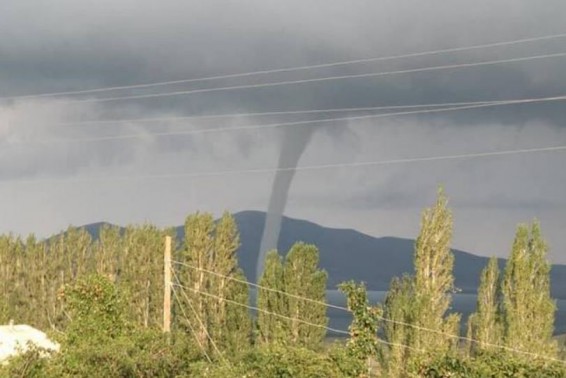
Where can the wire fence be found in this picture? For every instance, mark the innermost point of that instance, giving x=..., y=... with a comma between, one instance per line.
x=381, y=318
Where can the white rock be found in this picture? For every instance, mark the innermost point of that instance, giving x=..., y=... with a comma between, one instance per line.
x=16, y=339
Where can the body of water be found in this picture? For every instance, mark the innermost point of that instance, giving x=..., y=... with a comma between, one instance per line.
x=464, y=304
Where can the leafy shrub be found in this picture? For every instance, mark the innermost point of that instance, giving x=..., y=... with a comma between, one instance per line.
x=288, y=362
x=101, y=342
x=142, y=354
x=30, y=364
x=274, y=362
x=96, y=309
x=490, y=365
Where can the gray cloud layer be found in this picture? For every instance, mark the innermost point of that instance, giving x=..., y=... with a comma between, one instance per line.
x=65, y=45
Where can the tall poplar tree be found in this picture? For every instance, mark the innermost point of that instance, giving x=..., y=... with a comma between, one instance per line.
x=290, y=280
x=303, y=278
x=4, y=278
x=109, y=251
x=237, y=329
x=210, y=278
x=434, y=280
x=416, y=306
x=484, y=326
x=199, y=229
x=224, y=262
x=528, y=309
x=397, y=316
x=272, y=328
x=141, y=273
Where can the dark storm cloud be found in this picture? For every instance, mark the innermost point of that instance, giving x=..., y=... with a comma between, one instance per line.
x=67, y=45
x=63, y=47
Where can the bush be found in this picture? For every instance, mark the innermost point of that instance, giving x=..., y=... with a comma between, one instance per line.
x=274, y=362
x=142, y=354
x=490, y=365
x=96, y=309
x=99, y=341
x=288, y=362
x=30, y=364
x=346, y=362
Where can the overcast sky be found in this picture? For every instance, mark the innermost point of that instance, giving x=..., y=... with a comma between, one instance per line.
x=67, y=45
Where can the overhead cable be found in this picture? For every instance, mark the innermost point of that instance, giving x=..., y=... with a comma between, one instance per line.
x=359, y=164
x=293, y=69
x=289, y=124
x=313, y=80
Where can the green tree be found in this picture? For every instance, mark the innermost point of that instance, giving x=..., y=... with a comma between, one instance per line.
x=237, y=330
x=33, y=286
x=284, y=285
x=272, y=300
x=363, y=344
x=303, y=278
x=484, y=326
x=96, y=309
x=13, y=276
x=5, y=276
x=224, y=262
x=398, y=311
x=70, y=257
x=434, y=280
x=141, y=273
x=75, y=244
x=109, y=249
x=528, y=309
x=416, y=323
x=199, y=234
x=210, y=278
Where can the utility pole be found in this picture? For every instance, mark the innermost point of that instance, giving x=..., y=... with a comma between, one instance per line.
x=167, y=286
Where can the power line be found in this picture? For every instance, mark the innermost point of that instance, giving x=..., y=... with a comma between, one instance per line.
x=257, y=309
x=190, y=326
x=339, y=331
x=439, y=332
x=296, y=123
x=335, y=330
x=273, y=113
x=299, y=168
x=292, y=69
x=202, y=324
x=304, y=81
x=261, y=287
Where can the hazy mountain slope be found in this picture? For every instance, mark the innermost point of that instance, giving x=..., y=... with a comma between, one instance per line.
x=347, y=254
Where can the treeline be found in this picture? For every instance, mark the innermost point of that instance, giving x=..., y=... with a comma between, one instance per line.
x=32, y=272
x=102, y=299
x=510, y=334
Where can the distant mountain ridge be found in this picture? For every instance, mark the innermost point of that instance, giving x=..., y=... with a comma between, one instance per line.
x=351, y=255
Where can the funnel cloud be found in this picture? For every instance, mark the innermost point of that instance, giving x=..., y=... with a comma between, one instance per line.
x=292, y=147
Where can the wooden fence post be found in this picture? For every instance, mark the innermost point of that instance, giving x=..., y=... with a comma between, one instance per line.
x=167, y=286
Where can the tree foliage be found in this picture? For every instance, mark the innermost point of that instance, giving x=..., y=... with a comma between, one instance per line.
x=416, y=324
x=434, y=280
x=102, y=300
x=485, y=325
x=303, y=279
x=284, y=284
x=95, y=308
x=398, y=310
x=363, y=344
x=528, y=310
x=271, y=300
x=210, y=279
x=489, y=364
